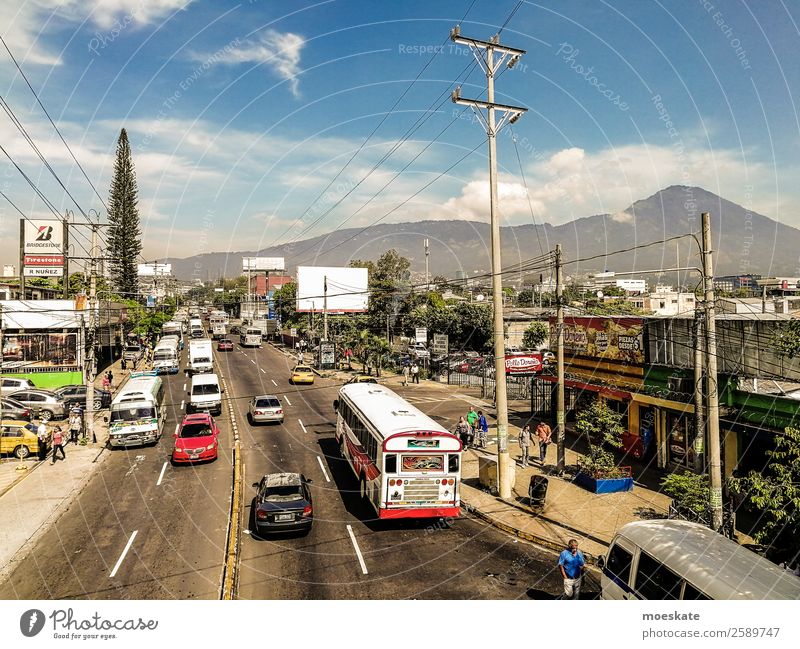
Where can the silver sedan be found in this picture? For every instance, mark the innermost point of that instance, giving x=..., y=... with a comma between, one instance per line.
x=265, y=408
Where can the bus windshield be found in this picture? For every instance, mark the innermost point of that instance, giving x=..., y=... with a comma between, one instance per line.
x=133, y=414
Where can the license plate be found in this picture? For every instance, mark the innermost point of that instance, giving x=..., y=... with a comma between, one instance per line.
x=284, y=517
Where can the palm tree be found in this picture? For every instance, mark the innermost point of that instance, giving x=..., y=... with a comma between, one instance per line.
x=378, y=349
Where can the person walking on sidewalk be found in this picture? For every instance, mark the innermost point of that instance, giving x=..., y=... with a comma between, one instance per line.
x=75, y=425
x=58, y=444
x=472, y=419
x=572, y=566
x=525, y=443
x=405, y=375
x=415, y=373
x=110, y=376
x=545, y=437
x=42, y=435
x=464, y=432
x=483, y=429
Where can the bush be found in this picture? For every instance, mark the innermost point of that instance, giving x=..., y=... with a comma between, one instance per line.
x=601, y=427
x=690, y=493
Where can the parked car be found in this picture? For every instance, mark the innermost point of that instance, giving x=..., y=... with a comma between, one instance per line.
x=419, y=350
x=18, y=438
x=10, y=385
x=196, y=439
x=132, y=353
x=75, y=395
x=14, y=410
x=265, y=408
x=283, y=503
x=469, y=354
x=44, y=405
x=302, y=374
x=548, y=357
x=363, y=378
x=225, y=345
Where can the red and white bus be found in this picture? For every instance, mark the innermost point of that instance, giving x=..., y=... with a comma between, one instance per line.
x=408, y=466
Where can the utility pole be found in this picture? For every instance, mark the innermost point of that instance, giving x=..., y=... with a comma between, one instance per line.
x=561, y=415
x=712, y=405
x=491, y=56
x=65, y=250
x=427, y=254
x=89, y=338
x=325, y=309
x=699, y=391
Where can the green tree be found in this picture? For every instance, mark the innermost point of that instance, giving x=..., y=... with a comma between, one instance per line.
x=600, y=426
x=124, y=234
x=690, y=493
x=536, y=333
x=786, y=340
x=775, y=492
x=285, y=299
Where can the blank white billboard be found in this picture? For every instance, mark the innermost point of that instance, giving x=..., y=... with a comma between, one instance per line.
x=347, y=289
x=256, y=264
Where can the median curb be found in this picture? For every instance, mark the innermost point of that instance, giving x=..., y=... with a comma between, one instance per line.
x=228, y=581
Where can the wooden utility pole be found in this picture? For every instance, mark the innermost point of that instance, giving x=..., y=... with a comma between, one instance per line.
x=561, y=415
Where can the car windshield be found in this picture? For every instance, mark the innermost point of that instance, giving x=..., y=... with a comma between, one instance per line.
x=283, y=494
x=301, y=368
x=132, y=414
x=132, y=349
x=205, y=388
x=195, y=430
x=202, y=359
x=267, y=403
x=164, y=355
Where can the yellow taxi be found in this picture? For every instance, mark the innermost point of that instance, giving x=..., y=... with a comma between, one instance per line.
x=18, y=438
x=302, y=374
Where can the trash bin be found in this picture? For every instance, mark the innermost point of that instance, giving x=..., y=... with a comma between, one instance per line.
x=537, y=490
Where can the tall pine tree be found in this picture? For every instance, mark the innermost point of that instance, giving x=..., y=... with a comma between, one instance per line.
x=125, y=237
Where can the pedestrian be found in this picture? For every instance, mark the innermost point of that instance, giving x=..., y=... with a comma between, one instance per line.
x=43, y=436
x=545, y=437
x=110, y=376
x=572, y=566
x=464, y=432
x=106, y=381
x=405, y=375
x=58, y=444
x=123, y=364
x=415, y=372
x=299, y=358
x=472, y=419
x=483, y=429
x=75, y=425
x=525, y=443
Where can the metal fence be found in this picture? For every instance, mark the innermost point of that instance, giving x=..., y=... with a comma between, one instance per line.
x=481, y=375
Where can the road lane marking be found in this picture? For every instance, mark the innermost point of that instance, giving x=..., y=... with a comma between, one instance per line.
x=182, y=403
x=321, y=466
x=275, y=384
x=301, y=426
x=161, y=477
x=125, y=551
x=178, y=425
x=184, y=387
x=358, y=550
x=285, y=398
x=252, y=361
x=263, y=371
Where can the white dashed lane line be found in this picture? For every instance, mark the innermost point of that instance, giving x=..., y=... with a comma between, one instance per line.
x=124, y=552
x=302, y=426
x=275, y=384
x=285, y=398
x=321, y=466
x=161, y=476
x=263, y=371
x=358, y=550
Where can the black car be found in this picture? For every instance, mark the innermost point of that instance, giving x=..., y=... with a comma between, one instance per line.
x=283, y=503
x=75, y=395
x=14, y=410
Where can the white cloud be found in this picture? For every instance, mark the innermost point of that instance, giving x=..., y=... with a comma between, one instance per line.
x=280, y=51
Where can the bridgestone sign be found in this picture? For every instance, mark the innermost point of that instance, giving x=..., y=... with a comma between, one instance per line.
x=43, y=237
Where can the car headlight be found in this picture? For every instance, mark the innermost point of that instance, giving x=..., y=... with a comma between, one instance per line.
x=177, y=450
x=211, y=447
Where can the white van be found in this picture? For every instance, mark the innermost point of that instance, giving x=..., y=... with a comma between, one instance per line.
x=200, y=356
x=250, y=337
x=196, y=328
x=671, y=559
x=205, y=394
x=138, y=412
x=166, y=356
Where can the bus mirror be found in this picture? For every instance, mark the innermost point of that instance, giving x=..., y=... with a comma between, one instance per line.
x=255, y=485
x=601, y=562
x=336, y=405
x=105, y=419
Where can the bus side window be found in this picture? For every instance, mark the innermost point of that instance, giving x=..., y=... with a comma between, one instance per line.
x=390, y=463
x=655, y=581
x=690, y=592
x=619, y=562
x=452, y=463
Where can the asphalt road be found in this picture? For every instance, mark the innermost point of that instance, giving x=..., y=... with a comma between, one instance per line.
x=180, y=526
x=460, y=559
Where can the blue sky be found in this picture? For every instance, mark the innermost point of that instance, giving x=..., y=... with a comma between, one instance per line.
x=240, y=114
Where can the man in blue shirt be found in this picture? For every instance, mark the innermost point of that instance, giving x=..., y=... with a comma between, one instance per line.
x=572, y=566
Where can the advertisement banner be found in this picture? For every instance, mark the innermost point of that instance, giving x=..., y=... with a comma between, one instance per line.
x=44, y=260
x=43, y=271
x=327, y=354
x=43, y=236
x=22, y=351
x=440, y=343
x=421, y=335
x=523, y=364
x=608, y=339
x=255, y=264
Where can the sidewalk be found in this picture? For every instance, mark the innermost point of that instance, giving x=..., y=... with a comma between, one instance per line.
x=32, y=499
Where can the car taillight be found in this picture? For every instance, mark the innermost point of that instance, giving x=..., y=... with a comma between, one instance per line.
x=261, y=514
x=279, y=412
x=307, y=511
x=258, y=412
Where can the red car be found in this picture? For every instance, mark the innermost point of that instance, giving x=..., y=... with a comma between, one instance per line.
x=196, y=439
x=225, y=345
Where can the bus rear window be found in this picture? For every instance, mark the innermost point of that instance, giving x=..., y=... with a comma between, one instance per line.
x=390, y=463
x=452, y=463
x=423, y=462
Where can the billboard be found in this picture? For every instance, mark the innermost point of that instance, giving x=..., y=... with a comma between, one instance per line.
x=153, y=270
x=43, y=236
x=43, y=271
x=254, y=264
x=23, y=351
x=347, y=289
x=608, y=339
